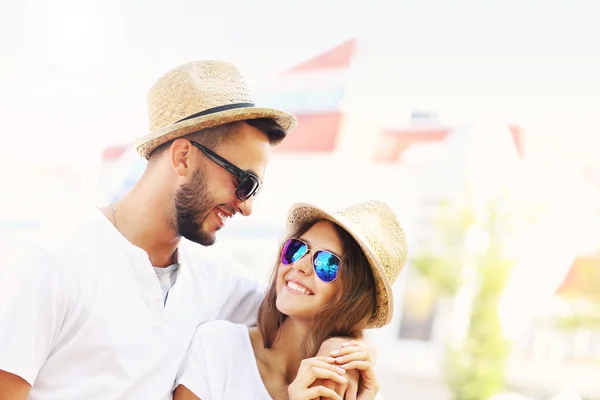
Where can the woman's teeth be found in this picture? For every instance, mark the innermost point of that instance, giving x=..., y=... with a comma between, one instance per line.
x=297, y=288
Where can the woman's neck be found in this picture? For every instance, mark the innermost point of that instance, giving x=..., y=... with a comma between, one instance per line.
x=288, y=349
x=279, y=365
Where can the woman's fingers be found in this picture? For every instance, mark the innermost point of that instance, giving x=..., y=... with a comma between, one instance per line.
x=362, y=365
x=342, y=351
x=316, y=368
x=369, y=381
x=356, y=356
x=322, y=392
x=318, y=358
x=316, y=372
x=323, y=362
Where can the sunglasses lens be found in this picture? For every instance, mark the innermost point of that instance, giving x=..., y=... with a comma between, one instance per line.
x=293, y=250
x=326, y=265
x=247, y=188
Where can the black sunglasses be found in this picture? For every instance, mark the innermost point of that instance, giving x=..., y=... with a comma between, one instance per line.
x=248, y=185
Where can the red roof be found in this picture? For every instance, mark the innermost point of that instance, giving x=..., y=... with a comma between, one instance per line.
x=583, y=279
x=393, y=143
x=113, y=152
x=315, y=133
x=518, y=137
x=338, y=57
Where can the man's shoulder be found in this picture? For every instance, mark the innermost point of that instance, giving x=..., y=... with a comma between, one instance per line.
x=56, y=250
x=64, y=235
x=30, y=262
x=32, y=252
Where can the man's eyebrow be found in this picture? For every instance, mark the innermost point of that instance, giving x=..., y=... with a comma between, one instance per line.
x=252, y=172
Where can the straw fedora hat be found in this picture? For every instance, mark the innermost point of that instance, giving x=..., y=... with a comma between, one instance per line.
x=199, y=95
x=377, y=231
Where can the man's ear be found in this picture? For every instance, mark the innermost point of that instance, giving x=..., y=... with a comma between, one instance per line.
x=179, y=156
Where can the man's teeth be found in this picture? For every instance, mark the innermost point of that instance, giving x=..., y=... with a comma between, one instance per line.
x=221, y=215
x=297, y=288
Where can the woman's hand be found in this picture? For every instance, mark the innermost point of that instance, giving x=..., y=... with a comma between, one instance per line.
x=356, y=355
x=312, y=369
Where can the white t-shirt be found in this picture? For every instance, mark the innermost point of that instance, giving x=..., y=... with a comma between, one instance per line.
x=87, y=320
x=221, y=365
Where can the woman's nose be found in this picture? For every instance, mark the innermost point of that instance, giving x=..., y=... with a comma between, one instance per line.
x=304, y=265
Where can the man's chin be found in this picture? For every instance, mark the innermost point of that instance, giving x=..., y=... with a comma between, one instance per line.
x=202, y=238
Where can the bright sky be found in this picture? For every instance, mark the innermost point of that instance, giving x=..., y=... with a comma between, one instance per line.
x=74, y=74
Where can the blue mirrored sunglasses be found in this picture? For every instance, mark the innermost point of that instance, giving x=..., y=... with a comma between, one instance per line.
x=325, y=263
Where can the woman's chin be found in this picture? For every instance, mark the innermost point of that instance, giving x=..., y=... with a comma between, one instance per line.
x=297, y=314
x=289, y=310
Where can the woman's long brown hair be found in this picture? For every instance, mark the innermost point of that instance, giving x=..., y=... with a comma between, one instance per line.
x=348, y=313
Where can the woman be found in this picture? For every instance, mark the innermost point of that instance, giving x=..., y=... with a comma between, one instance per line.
x=333, y=278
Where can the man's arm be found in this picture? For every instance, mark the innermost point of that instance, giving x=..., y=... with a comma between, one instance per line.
x=33, y=303
x=181, y=393
x=244, y=294
x=13, y=387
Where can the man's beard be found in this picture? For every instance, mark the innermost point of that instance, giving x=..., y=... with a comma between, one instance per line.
x=192, y=205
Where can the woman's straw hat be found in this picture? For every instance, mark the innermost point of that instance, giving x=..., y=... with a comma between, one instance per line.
x=377, y=231
x=199, y=95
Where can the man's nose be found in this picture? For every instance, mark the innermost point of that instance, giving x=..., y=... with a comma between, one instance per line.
x=244, y=207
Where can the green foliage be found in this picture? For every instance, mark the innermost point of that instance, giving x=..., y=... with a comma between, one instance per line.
x=578, y=321
x=475, y=371
x=442, y=272
x=442, y=262
x=584, y=314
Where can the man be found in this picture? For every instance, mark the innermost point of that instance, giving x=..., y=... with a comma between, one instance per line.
x=89, y=319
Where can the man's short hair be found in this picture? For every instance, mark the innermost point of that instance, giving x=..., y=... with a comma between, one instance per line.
x=217, y=135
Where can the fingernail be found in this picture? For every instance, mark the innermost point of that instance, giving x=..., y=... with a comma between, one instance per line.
x=341, y=371
x=330, y=359
x=335, y=353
